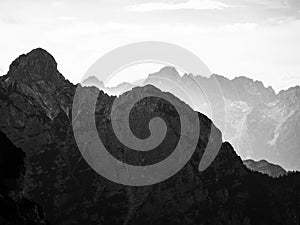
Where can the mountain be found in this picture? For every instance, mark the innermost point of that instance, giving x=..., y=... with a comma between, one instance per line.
x=265, y=167
x=258, y=122
x=36, y=115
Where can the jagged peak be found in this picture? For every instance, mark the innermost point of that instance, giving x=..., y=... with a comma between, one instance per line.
x=218, y=76
x=168, y=69
x=168, y=72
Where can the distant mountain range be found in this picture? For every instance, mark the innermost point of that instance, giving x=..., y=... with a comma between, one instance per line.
x=265, y=167
x=119, y=89
x=36, y=115
x=260, y=124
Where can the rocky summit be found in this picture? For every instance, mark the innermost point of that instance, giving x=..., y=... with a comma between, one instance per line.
x=36, y=115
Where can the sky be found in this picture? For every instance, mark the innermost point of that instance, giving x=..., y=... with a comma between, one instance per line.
x=254, y=38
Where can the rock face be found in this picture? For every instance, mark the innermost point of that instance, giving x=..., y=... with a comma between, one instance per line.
x=35, y=106
x=261, y=124
x=265, y=167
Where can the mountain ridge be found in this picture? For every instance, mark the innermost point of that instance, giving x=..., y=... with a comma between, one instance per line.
x=237, y=78
x=258, y=122
x=256, y=107
x=70, y=192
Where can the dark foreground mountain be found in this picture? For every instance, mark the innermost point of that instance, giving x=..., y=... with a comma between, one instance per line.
x=36, y=108
x=15, y=209
x=265, y=167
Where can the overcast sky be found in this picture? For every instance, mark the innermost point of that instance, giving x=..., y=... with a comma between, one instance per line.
x=254, y=38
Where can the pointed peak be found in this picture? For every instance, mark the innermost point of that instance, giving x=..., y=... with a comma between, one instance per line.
x=34, y=57
x=169, y=69
x=37, y=65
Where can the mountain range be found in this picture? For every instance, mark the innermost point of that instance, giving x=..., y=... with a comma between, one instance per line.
x=259, y=123
x=36, y=117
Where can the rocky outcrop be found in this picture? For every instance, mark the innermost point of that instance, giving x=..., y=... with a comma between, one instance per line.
x=35, y=106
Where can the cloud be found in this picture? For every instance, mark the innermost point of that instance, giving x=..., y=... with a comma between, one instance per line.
x=68, y=18
x=239, y=27
x=280, y=20
x=293, y=4
x=57, y=3
x=192, y=5
x=272, y=4
x=10, y=20
x=233, y=37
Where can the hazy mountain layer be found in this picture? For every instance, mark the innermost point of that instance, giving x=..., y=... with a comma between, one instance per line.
x=259, y=123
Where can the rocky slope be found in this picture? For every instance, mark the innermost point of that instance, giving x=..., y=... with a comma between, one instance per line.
x=35, y=106
x=265, y=167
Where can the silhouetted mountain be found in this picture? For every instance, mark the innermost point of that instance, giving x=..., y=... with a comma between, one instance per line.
x=14, y=208
x=265, y=167
x=36, y=107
